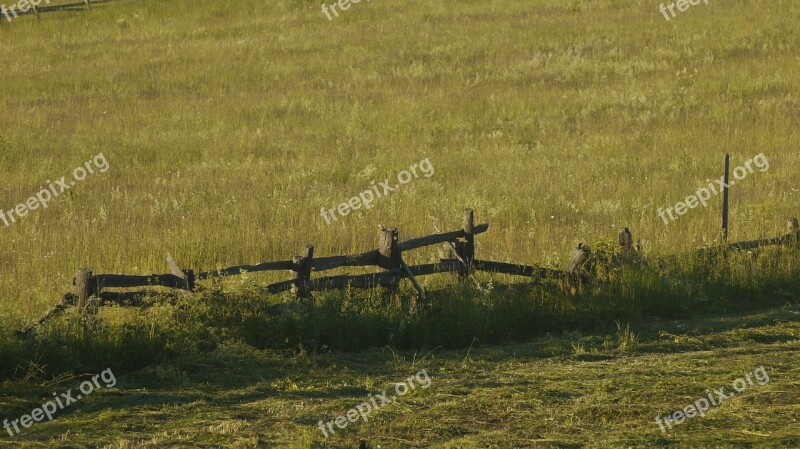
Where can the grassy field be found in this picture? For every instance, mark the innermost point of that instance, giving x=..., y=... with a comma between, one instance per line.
x=566, y=391
x=226, y=127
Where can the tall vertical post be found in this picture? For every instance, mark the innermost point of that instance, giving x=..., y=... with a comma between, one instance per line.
x=469, y=237
x=793, y=230
x=83, y=287
x=792, y=226
x=627, y=249
x=302, y=272
x=725, y=197
x=389, y=256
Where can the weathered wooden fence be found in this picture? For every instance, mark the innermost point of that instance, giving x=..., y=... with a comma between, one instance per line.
x=389, y=257
x=43, y=7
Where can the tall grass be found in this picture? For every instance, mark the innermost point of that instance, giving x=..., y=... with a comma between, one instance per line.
x=227, y=128
x=457, y=316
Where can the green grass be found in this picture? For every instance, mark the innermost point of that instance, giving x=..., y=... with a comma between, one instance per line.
x=542, y=394
x=228, y=127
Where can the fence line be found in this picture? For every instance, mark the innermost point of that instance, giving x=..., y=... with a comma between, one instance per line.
x=39, y=9
x=461, y=260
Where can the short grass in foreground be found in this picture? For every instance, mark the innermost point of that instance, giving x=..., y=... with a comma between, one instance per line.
x=564, y=391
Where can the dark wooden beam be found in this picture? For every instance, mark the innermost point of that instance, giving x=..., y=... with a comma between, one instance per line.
x=126, y=281
x=439, y=238
x=355, y=260
x=232, y=271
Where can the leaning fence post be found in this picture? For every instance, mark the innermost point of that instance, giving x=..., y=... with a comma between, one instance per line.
x=302, y=272
x=389, y=257
x=187, y=276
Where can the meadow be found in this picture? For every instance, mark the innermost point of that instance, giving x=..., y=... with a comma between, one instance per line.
x=227, y=127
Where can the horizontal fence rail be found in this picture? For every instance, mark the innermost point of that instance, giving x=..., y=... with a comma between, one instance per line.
x=43, y=8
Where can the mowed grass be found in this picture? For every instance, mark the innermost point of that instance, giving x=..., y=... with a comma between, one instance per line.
x=570, y=390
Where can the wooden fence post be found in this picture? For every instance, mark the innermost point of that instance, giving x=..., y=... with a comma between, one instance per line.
x=302, y=272
x=85, y=288
x=577, y=260
x=389, y=256
x=87, y=4
x=468, y=249
x=793, y=230
x=627, y=250
x=725, y=198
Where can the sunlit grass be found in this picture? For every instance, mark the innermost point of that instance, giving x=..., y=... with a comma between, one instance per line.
x=228, y=128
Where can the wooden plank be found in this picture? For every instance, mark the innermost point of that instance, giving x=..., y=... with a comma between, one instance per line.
x=279, y=287
x=232, y=271
x=126, y=281
x=385, y=279
x=68, y=300
x=355, y=260
x=439, y=238
x=751, y=244
x=519, y=270
x=365, y=280
x=792, y=235
x=82, y=5
x=434, y=268
x=410, y=274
